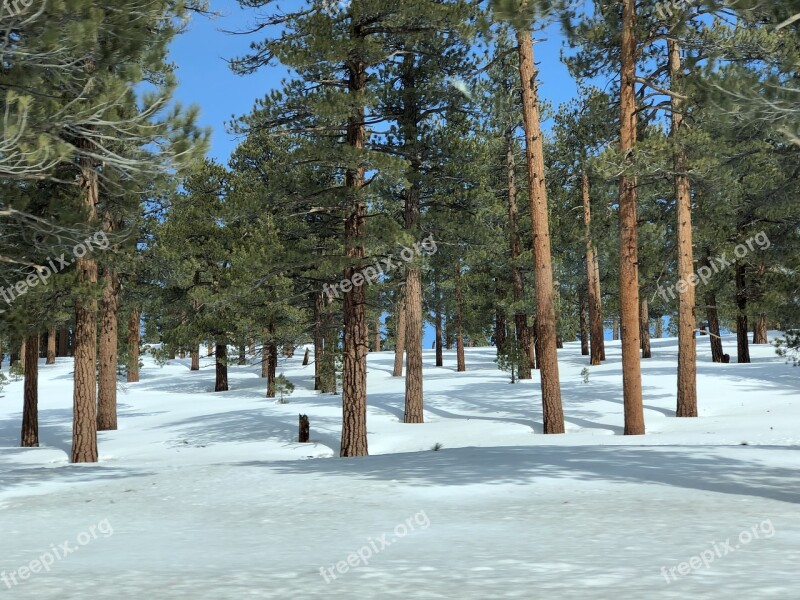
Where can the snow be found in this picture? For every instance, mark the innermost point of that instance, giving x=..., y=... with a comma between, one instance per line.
x=204, y=495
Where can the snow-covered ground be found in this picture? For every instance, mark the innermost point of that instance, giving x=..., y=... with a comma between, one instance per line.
x=208, y=496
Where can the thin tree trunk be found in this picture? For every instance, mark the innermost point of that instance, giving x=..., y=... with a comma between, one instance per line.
x=84, y=414
x=629, y=252
x=133, y=347
x=307, y=357
x=461, y=363
x=615, y=329
x=318, y=340
x=742, y=347
x=378, y=334
x=354, y=369
x=242, y=355
x=400, y=335
x=552, y=411
x=51, y=347
x=271, y=359
x=221, y=384
x=195, y=354
x=582, y=325
x=592, y=278
x=760, y=330
x=30, y=411
x=644, y=325
x=22, y=354
x=715, y=337
x=107, y=388
x=210, y=349
x=252, y=344
x=439, y=341
x=687, y=317
x=522, y=331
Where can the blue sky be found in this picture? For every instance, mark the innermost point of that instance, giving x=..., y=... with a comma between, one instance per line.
x=206, y=80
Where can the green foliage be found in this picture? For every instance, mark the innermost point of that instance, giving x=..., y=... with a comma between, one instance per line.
x=283, y=389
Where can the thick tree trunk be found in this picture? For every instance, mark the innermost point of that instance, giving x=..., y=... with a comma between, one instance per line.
x=63, y=343
x=760, y=330
x=84, y=414
x=195, y=354
x=659, y=328
x=30, y=410
x=51, y=347
x=629, y=252
x=354, y=363
x=133, y=347
x=644, y=328
x=272, y=370
x=461, y=363
x=552, y=411
x=687, y=317
x=221, y=384
x=400, y=335
x=22, y=354
x=210, y=349
x=584, y=333
x=109, y=319
x=413, y=407
x=742, y=347
x=592, y=279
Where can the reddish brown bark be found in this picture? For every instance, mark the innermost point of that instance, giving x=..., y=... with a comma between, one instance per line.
x=552, y=411
x=461, y=363
x=107, y=387
x=133, y=346
x=593, y=299
x=400, y=335
x=51, y=346
x=629, y=252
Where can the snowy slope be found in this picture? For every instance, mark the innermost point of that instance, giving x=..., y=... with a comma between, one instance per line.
x=203, y=495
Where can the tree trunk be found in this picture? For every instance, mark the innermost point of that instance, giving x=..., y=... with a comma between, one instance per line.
x=629, y=252
x=210, y=349
x=195, y=354
x=378, y=334
x=51, y=347
x=354, y=362
x=221, y=384
x=107, y=388
x=715, y=337
x=500, y=326
x=304, y=434
x=63, y=342
x=133, y=347
x=461, y=363
x=552, y=411
x=439, y=340
x=687, y=317
x=22, y=354
x=400, y=334
x=307, y=357
x=413, y=406
x=742, y=347
x=615, y=329
x=659, y=328
x=582, y=325
x=520, y=318
x=242, y=355
x=644, y=328
x=272, y=370
x=252, y=344
x=760, y=330
x=318, y=340
x=30, y=411
x=84, y=414
x=592, y=279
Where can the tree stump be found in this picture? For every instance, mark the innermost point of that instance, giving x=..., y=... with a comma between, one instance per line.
x=305, y=430
x=307, y=357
